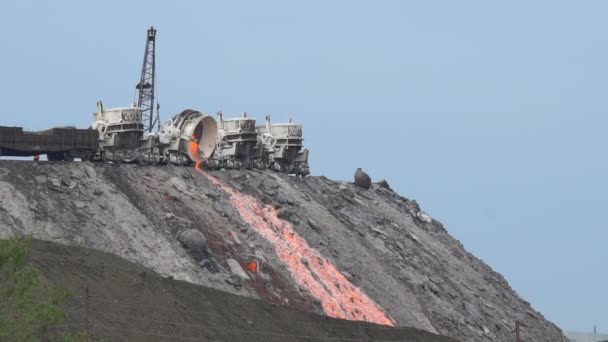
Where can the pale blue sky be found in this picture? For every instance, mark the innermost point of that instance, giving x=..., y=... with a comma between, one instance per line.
x=491, y=115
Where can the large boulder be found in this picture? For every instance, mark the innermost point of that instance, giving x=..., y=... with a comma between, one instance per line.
x=192, y=239
x=362, y=179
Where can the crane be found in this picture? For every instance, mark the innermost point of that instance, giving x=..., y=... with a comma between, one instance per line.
x=147, y=83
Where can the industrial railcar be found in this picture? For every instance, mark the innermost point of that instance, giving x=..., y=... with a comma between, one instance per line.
x=61, y=143
x=117, y=135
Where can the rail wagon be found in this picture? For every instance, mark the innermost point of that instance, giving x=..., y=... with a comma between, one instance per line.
x=61, y=143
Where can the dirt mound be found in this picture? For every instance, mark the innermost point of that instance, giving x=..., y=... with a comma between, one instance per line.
x=128, y=302
x=314, y=244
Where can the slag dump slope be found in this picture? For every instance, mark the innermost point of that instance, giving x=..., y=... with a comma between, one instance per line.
x=131, y=303
x=402, y=258
x=382, y=243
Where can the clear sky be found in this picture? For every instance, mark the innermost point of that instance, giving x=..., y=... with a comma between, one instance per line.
x=493, y=116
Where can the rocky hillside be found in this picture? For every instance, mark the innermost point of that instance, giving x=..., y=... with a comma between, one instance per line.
x=314, y=244
x=128, y=302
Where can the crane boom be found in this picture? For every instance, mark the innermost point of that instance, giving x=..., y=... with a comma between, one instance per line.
x=147, y=83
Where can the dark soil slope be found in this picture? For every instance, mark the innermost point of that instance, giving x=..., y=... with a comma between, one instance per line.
x=131, y=303
x=314, y=244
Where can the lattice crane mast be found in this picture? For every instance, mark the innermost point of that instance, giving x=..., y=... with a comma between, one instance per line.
x=147, y=83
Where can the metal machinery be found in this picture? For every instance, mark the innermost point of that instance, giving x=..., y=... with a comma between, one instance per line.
x=186, y=138
x=60, y=143
x=120, y=131
x=119, y=135
x=236, y=142
x=280, y=148
x=147, y=83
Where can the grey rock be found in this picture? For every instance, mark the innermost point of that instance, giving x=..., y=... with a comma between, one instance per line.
x=259, y=255
x=236, y=269
x=178, y=184
x=384, y=184
x=193, y=239
x=68, y=182
x=236, y=239
x=270, y=184
x=424, y=217
x=362, y=179
x=218, y=207
x=282, y=199
x=485, y=330
x=434, y=288
x=347, y=193
x=378, y=231
x=313, y=224
x=212, y=194
x=235, y=281
x=348, y=275
x=289, y=215
x=270, y=192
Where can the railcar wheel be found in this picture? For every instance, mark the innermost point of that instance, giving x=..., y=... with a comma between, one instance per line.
x=147, y=159
x=55, y=156
x=129, y=156
x=289, y=169
x=245, y=163
x=85, y=155
x=259, y=164
x=141, y=160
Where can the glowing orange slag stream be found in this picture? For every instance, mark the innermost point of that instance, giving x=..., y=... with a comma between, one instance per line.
x=339, y=297
x=194, y=149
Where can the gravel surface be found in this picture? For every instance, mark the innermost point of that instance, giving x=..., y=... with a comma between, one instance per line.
x=128, y=302
x=381, y=243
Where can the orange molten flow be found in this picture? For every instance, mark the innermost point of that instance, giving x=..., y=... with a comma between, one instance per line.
x=253, y=266
x=194, y=149
x=339, y=297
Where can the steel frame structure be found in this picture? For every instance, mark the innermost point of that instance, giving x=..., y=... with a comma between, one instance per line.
x=147, y=83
